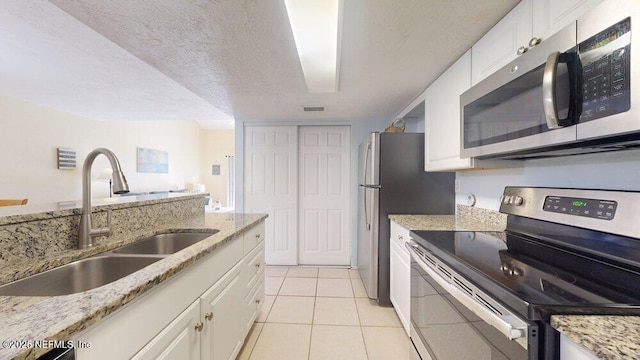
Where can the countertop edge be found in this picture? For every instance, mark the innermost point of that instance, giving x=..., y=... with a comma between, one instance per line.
x=600, y=334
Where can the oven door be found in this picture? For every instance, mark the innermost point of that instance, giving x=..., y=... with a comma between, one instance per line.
x=530, y=103
x=449, y=323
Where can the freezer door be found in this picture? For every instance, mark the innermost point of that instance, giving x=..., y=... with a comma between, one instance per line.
x=368, y=238
x=369, y=160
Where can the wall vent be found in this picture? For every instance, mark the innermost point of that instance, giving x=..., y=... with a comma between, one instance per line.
x=314, y=108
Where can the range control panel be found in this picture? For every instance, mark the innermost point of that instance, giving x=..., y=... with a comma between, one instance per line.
x=610, y=211
x=593, y=208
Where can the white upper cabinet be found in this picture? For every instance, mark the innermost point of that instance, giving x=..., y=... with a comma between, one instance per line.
x=550, y=16
x=500, y=45
x=518, y=31
x=442, y=118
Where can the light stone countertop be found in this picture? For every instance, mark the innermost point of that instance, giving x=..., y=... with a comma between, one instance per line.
x=608, y=337
x=60, y=317
x=40, y=211
x=467, y=218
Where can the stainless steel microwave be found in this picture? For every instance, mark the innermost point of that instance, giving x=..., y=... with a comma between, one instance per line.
x=572, y=93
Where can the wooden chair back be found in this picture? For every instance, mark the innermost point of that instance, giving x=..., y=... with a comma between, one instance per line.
x=9, y=202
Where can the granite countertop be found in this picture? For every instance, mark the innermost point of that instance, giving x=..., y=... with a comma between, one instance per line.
x=467, y=218
x=60, y=317
x=39, y=211
x=607, y=337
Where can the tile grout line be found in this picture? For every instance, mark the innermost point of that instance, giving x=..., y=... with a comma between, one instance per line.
x=364, y=342
x=256, y=342
x=313, y=318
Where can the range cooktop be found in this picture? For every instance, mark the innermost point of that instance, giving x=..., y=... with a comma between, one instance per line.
x=539, y=267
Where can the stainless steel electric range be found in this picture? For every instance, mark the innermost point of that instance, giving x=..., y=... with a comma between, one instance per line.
x=490, y=295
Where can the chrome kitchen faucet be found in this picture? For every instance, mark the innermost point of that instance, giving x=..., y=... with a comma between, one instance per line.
x=120, y=186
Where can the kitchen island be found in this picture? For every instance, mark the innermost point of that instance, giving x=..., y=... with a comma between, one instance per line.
x=30, y=320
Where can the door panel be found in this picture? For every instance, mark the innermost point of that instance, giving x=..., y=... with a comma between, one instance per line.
x=178, y=341
x=271, y=175
x=223, y=331
x=324, y=209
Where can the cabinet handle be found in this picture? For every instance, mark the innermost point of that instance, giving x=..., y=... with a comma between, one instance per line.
x=534, y=41
x=209, y=316
x=257, y=236
x=258, y=265
x=522, y=50
x=199, y=327
x=400, y=237
x=257, y=301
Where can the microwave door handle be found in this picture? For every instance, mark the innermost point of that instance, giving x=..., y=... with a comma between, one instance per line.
x=549, y=91
x=549, y=95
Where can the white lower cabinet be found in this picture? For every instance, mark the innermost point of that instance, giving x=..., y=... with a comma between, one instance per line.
x=211, y=328
x=400, y=276
x=569, y=350
x=177, y=341
x=204, y=312
x=223, y=320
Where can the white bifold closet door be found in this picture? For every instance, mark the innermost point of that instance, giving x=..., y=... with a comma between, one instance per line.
x=300, y=176
x=324, y=215
x=271, y=186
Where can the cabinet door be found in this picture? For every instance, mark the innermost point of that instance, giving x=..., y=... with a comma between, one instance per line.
x=569, y=350
x=178, y=341
x=442, y=118
x=500, y=45
x=400, y=280
x=550, y=16
x=222, y=312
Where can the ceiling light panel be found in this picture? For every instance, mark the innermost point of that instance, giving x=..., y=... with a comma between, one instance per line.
x=315, y=26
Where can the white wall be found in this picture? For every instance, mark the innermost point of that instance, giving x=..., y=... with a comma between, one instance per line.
x=217, y=145
x=611, y=171
x=30, y=134
x=359, y=130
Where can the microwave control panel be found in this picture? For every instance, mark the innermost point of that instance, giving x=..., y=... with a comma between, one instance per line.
x=606, y=70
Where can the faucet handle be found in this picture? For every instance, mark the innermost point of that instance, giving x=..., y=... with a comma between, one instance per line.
x=103, y=231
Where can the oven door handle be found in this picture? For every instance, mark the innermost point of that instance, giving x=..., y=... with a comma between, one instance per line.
x=501, y=323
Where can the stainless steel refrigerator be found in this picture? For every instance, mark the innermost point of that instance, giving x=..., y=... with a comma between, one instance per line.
x=393, y=181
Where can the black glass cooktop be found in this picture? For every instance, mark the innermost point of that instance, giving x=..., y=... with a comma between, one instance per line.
x=540, y=278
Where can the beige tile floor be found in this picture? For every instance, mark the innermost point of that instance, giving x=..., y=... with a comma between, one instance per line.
x=322, y=313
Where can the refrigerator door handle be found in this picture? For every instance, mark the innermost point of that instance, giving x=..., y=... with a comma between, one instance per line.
x=366, y=211
x=364, y=181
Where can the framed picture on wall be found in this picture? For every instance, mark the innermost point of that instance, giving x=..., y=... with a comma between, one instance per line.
x=153, y=161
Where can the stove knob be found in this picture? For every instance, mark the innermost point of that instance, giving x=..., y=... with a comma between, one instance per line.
x=508, y=199
x=515, y=272
x=504, y=267
x=518, y=200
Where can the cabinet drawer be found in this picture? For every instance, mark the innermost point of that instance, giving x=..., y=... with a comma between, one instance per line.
x=399, y=234
x=253, y=302
x=253, y=237
x=253, y=267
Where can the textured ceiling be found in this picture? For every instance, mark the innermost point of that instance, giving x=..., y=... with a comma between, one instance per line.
x=239, y=55
x=50, y=58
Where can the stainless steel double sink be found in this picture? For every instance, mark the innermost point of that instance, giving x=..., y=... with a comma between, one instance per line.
x=102, y=269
